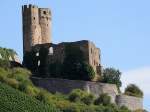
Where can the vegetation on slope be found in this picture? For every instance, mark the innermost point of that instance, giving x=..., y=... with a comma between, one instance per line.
x=12, y=100
x=76, y=101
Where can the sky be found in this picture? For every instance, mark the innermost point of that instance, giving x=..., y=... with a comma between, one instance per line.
x=120, y=28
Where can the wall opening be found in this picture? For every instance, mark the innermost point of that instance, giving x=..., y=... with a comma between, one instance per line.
x=44, y=12
x=51, y=51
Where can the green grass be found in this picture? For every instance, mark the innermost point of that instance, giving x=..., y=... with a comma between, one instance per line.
x=12, y=100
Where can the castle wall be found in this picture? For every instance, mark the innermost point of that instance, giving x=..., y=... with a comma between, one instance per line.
x=133, y=103
x=94, y=57
x=66, y=86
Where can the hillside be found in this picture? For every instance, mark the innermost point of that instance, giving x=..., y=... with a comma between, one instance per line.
x=12, y=100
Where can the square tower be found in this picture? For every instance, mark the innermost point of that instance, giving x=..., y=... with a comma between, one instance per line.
x=36, y=26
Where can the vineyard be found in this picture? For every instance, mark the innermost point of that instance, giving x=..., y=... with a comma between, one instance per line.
x=12, y=100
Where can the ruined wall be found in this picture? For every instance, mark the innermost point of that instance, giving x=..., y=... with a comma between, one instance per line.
x=94, y=57
x=36, y=26
x=133, y=103
x=66, y=86
x=90, y=51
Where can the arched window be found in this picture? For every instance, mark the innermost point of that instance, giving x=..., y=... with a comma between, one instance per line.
x=37, y=54
x=39, y=62
x=51, y=51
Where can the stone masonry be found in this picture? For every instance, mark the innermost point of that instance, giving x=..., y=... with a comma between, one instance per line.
x=133, y=103
x=90, y=52
x=36, y=26
x=96, y=88
x=66, y=86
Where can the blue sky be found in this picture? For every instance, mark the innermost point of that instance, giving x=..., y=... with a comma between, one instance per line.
x=121, y=28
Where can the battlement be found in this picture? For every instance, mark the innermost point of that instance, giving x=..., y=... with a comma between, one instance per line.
x=29, y=6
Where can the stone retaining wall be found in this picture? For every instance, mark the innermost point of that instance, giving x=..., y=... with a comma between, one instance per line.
x=133, y=103
x=66, y=86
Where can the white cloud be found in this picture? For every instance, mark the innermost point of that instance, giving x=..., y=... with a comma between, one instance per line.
x=140, y=77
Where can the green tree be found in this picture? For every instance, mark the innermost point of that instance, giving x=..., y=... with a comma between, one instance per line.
x=133, y=90
x=112, y=76
x=74, y=65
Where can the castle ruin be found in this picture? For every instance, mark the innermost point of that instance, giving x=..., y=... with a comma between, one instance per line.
x=37, y=34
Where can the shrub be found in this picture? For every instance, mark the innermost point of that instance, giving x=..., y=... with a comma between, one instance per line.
x=32, y=91
x=4, y=63
x=12, y=82
x=22, y=72
x=88, y=99
x=103, y=99
x=74, y=66
x=3, y=74
x=76, y=95
x=112, y=76
x=133, y=90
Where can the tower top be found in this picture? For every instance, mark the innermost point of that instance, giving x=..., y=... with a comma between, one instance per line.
x=36, y=26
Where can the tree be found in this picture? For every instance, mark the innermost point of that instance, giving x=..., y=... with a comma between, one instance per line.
x=75, y=66
x=133, y=90
x=112, y=76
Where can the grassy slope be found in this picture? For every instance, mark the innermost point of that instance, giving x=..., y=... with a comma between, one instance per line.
x=12, y=100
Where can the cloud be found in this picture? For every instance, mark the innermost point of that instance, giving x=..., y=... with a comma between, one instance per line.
x=140, y=77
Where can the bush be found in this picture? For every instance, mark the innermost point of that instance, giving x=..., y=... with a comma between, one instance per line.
x=133, y=90
x=88, y=99
x=112, y=76
x=103, y=99
x=12, y=82
x=3, y=74
x=74, y=66
x=78, y=95
x=21, y=71
x=32, y=91
x=4, y=63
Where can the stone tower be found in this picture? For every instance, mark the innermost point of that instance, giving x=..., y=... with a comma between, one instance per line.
x=36, y=26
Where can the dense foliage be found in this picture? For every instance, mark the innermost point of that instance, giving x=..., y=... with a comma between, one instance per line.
x=112, y=76
x=11, y=100
x=74, y=66
x=133, y=90
x=6, y=54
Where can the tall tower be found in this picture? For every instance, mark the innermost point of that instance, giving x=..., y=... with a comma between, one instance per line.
x=36, y=26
